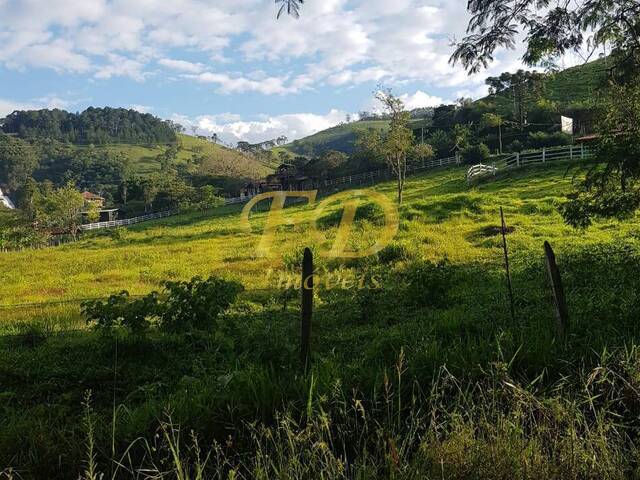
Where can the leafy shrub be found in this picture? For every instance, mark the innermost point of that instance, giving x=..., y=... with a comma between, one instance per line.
x=117, y=233
x=184, y=306
x=515, y=146
x=118, y=311
x=543, y=139
x=474, y=154
x=194, y=304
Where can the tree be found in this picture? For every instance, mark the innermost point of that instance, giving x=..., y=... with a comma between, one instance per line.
x=150, y=190
x=292, y=7
x=562, y=28
x=208, y=197
x=492, y=120
x=60, y=208
x=93, y=212
x=397, y=143
x=423, y=151
x=612, y=187
x=18, y=161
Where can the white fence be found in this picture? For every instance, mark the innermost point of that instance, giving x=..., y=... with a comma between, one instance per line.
x=546, y=155
x=366, y=177
x=127, y=221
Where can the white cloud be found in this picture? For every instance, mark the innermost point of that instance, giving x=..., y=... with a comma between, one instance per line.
x=49, y=101
x=120, y=66
x=9, y=106
x=231, y=129
x=334, y=43
x=141, y=108
x=228, y=84
x=181, y=65
x=420, y=100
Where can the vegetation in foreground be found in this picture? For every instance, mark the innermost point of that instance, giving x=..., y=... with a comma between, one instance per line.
x=428, y=376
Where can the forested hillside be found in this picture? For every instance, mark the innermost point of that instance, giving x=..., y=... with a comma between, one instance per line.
x=94, y=125
x=529, y=104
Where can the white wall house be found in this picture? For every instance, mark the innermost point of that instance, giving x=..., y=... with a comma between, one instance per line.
x=6, y=201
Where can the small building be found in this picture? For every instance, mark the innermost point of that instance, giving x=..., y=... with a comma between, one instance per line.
x=91, y=198
x=105, y=214
x=286, y=177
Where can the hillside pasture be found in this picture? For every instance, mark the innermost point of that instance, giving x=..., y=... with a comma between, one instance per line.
x=425, y=375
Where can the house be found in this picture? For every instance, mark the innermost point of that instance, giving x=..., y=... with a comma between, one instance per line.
x=105, y=214
x=92, y=198
x=286, y=177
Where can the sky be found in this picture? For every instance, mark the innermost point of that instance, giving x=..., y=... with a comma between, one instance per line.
x=228, y=66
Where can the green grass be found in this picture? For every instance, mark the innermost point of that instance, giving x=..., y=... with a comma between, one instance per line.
x=428, y=377
x=441, y=217
x=230, y=167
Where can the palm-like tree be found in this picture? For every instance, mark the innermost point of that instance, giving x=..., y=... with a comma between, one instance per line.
x=292, y=7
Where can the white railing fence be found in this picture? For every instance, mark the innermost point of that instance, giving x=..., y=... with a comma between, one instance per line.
x=517, y=160
x=127, y=221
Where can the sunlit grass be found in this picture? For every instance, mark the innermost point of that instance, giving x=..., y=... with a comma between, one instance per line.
x=441, y=218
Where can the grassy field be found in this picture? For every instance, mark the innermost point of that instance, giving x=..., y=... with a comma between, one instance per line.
x=426, y=377
x=441, y=218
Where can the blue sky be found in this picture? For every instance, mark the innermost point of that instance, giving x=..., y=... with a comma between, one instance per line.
x=227, y=66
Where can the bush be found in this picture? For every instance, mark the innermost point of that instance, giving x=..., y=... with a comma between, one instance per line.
x=118, y=311
x=543, y=139
x=515, y=146
x=185, y=306
x=474, y=154
x=195, y=304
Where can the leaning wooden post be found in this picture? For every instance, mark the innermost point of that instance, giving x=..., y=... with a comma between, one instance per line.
x=506, y=265
x=307, y=307
x=562, y=312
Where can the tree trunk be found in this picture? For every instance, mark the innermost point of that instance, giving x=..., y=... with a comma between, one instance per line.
x=500, y=137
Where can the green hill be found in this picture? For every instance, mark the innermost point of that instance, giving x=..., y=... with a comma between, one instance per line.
x=574, y=85
x=341, y=138
x=231, y=166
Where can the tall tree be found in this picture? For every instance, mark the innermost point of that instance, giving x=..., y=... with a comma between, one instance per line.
x=492, y=120
x=397, y=143
x=18, y=161
x=612, y=187
x=550, y=29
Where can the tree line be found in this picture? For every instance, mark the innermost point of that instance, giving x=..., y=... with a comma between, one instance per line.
x=92, y=126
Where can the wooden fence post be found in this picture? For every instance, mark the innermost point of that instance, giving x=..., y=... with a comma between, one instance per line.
x=307, y=307
x=562, y=312
x=518, y=159
x=544, y=154
x=582, y=151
